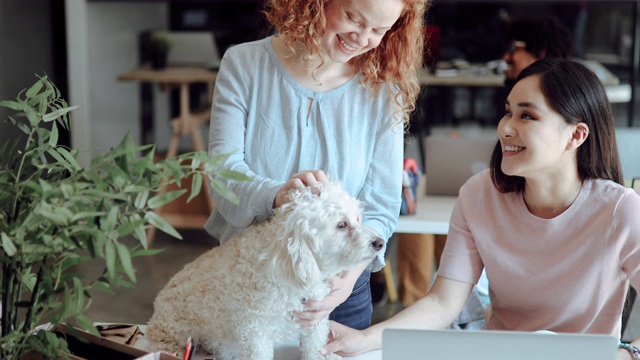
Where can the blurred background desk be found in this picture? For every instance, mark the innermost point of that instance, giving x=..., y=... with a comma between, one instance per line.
x=480, y=75
x=187, y=122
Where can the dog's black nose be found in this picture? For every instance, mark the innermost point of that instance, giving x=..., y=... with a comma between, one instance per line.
x=377, y=243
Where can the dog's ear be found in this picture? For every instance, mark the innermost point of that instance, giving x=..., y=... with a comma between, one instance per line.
x=293, y=258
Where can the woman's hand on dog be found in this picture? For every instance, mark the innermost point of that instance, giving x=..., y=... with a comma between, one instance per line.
x=345, y=341
x=308, y=180
x=341, y=287
x=320, y=309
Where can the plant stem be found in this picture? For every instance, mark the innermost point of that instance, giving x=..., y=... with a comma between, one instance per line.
x=6, y=285
x=15, y=290
x=9, y=299
x=20, y=168
x=34, y=298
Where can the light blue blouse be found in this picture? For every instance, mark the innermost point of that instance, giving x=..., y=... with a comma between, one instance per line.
x=260, y=114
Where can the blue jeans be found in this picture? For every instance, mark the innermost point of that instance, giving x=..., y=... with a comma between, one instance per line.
x=356, y=311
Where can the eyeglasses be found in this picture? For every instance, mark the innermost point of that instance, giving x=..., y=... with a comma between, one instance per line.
x=514, y=47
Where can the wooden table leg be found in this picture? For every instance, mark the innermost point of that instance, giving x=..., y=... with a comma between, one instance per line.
x=415, y=263
x=186, y=124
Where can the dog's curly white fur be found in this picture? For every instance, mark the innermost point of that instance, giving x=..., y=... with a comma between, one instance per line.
x=237, y=300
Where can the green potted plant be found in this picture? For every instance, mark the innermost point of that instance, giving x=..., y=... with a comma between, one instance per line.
x=159, y=49
x=55, y=214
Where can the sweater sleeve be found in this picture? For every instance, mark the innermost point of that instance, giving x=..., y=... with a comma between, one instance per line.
x=382, y=190
x=229, y=112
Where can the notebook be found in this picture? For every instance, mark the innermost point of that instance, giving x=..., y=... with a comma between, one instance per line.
x=450, y=162
x=197, y=48
x=495, y=345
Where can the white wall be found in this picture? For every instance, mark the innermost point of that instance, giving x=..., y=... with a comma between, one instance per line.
x=102, y=42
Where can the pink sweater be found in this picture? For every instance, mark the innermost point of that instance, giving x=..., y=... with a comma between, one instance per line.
x=566, y=274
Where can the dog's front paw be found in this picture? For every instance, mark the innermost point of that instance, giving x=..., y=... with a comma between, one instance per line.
x=333, y=357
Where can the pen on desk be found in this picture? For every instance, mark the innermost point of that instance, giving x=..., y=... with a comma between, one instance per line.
x=188, y=350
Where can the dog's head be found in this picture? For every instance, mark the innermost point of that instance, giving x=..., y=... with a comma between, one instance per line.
x=322, y=235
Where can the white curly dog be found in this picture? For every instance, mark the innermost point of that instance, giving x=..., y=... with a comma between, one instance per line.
x=237, y=300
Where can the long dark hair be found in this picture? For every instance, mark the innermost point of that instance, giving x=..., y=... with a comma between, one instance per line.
x=576, y=93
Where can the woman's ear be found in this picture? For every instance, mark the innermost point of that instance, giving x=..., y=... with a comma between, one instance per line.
x=579, y=135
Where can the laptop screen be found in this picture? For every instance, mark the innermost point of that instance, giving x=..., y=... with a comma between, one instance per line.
x=450, y=162
x=495, y=345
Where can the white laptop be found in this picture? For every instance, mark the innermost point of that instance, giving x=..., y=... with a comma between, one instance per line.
x=495, y=345
x=450, y=162
x=193, y=48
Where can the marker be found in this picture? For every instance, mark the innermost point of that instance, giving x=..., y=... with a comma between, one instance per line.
x=188, y=350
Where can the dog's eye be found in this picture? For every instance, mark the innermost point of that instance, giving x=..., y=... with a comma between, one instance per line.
x=342, y=225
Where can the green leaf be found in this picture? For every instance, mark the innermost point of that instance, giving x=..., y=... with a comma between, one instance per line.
x=87, y=214
x=125, y=260
x=109, y=224
x=162, y=224
x=195, y=164
x=8, y=245
x=141, y=199
x=43, y=100
x=11, y=105
x=70, y=157
x=165, y=198
x=31, y=114
x=56, y=114
x=141, y=234
x=29, y=280
x=23, y=127
x=53, y=152
x=196, y=186
x=78, y=291
x=146, y=252
x=103, y=286
x=86, y=324
x=221, y=188
x=110, y=258
x=233, y=175
x=33, y=90
x=53, y=137
x=129, y=227
x=48, y=212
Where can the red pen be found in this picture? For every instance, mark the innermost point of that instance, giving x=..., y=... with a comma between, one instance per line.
x=188, y=350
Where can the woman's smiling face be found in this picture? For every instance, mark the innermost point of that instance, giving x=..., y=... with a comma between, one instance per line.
x=356, y=26
x=533, y=136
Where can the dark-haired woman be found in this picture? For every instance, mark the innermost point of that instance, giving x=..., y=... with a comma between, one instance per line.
x=552, y=223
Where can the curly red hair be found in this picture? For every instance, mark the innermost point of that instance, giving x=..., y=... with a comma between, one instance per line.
x=394, y=62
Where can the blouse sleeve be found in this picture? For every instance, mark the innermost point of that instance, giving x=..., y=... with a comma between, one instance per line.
x=229, y=115
x=381, y=193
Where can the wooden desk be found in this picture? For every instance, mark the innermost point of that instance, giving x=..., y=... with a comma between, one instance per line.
x=185, y=124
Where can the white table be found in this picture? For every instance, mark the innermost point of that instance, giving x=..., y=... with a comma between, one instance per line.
x=291, y=352
x=431, y=218
x=288, y=351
